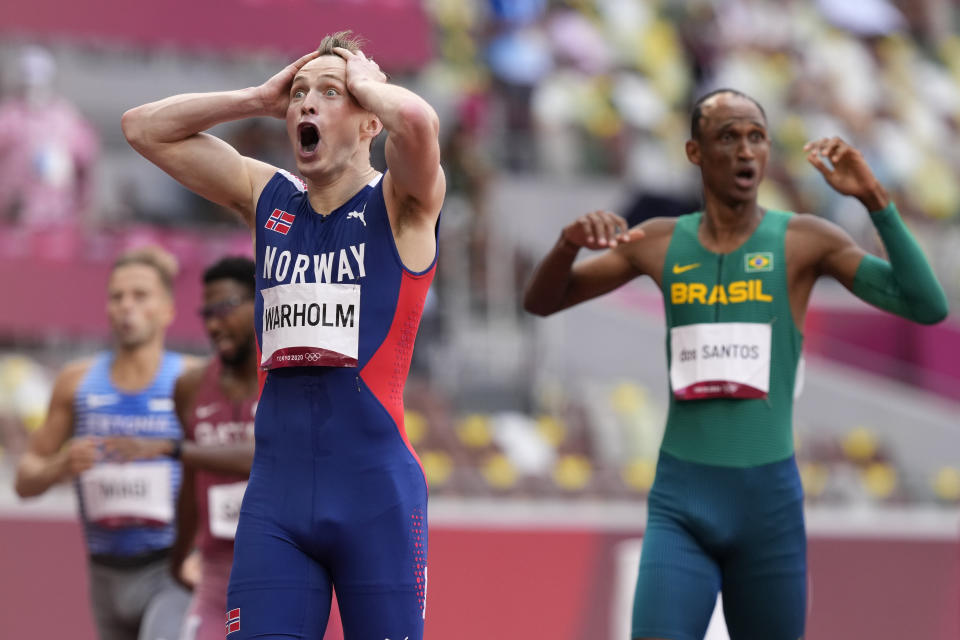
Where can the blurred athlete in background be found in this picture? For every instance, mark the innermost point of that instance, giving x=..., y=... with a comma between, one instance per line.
x=127, y=508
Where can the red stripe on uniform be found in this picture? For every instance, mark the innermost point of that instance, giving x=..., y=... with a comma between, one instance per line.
x=386, y=372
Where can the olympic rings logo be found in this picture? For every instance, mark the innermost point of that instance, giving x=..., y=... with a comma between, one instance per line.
x=312, y=357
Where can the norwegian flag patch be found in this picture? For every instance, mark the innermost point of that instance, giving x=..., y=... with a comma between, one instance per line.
x=233, y=620
x=280, y=221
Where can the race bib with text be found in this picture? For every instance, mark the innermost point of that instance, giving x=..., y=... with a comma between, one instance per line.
x=311, y=325
x=128, y=494
x=223, y=503
x=720, y=360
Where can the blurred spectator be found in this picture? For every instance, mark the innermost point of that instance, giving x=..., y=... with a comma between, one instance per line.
x=48, y=151
x=25, y=388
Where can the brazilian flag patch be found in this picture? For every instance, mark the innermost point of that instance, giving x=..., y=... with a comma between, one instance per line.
x=762, y=261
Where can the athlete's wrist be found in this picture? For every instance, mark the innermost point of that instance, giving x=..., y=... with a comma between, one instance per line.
x=876, y=199
x=565, y=244
x=175, y=448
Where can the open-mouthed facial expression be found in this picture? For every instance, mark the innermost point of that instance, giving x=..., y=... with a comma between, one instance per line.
x=732, y=148
x=324, y=122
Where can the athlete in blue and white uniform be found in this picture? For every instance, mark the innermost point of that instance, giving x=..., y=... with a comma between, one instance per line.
x=97, y=406
x=336, y=496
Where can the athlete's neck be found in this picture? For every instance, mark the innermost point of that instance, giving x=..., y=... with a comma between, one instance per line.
x=326, y=193
x=134, y=368
x=726, y=226
x=238, y=380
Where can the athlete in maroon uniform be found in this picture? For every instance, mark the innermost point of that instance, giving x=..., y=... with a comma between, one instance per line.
x=216, y=405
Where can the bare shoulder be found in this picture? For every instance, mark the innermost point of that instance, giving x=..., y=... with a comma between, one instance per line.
x=192, y=374
x=811, y=226
x=656, y=232
x=658, y=226
x=72, y=373
x=194, y=362
x=188, y=383
x=647, y=254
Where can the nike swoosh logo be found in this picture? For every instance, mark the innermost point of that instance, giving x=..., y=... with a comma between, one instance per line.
x=206, y=411
x=678, y=269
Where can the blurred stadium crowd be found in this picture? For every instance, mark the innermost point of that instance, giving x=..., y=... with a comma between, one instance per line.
x=532, y=90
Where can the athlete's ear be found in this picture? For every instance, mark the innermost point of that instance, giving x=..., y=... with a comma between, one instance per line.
x=371, y=127
x=693, y=152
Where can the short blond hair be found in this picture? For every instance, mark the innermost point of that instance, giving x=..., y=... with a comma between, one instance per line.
x=155, y=257
x=341, y=39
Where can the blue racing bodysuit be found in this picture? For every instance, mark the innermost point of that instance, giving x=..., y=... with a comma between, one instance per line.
x=336, y=496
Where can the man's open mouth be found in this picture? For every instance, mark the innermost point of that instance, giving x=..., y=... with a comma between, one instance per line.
x=745, y=177
x=309, y=136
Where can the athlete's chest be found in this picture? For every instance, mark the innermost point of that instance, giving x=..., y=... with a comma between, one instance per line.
x=701, y=286
x=298, y=245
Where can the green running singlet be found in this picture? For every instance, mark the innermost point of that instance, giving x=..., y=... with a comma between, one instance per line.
x=747, y=285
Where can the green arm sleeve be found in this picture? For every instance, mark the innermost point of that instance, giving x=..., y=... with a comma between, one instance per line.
x=906, y=285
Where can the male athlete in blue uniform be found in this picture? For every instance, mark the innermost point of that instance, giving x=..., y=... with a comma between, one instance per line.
x=344, y=258
x=127, y=508
x=726, y=507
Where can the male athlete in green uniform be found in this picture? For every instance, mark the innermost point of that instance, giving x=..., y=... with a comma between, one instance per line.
x=725, y=510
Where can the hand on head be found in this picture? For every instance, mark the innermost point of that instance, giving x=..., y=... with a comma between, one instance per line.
x=600, y=230
x=275, y=93
x=360, y=68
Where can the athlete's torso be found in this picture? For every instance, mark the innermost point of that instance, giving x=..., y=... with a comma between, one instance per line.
x=350, y=286
x=128, y=509
x=216, y=421
x=746, y=291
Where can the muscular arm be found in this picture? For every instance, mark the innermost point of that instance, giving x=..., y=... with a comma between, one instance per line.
x=558, y=283
x=230, y=458
x=169, y=134
x=414, y=186
x=47, y=461
x=186, y=524
x=906, y=285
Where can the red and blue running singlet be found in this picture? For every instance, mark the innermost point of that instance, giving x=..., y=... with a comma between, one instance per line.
x=336, y=495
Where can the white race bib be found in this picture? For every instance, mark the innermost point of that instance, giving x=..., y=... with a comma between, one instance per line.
x=223, y=503
x=311, y=325
x=720, y=360
x=118, y=495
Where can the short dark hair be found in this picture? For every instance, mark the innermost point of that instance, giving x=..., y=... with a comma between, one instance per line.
x=155, y=257
x=697, y=113
x=240, y=269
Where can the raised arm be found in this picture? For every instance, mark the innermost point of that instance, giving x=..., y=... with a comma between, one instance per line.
x=414, y=185
x=904, y=285
x=169, y=133
x=559, y=283
x=47, y=461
